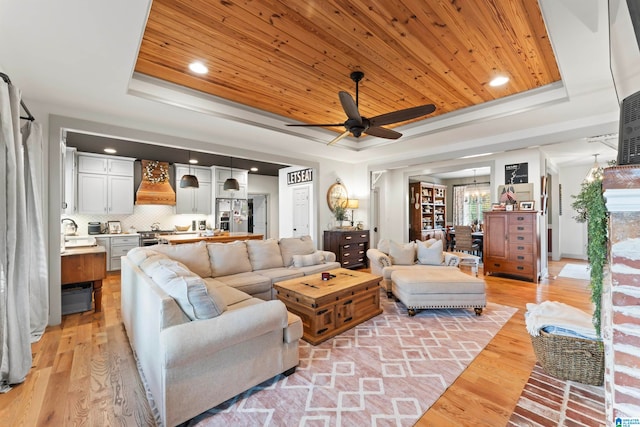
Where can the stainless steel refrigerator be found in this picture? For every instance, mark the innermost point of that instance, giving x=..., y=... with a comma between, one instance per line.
x=232, y=215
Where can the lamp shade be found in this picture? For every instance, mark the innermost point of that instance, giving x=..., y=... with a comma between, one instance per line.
x=189, y=181
x=353, y=203
x=231, y=184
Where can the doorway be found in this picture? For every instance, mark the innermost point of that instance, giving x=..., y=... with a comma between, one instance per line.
x=301, y=218
x=258, y=214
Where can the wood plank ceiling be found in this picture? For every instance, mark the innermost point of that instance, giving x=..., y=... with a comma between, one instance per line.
x=291, y=57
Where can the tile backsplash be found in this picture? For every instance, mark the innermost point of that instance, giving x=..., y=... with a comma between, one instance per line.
x=142, y=218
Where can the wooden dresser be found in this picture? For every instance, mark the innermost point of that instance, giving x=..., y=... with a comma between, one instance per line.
x=512, y=244
x=350, y=247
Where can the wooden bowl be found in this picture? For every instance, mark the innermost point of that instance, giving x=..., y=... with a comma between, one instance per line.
x=183, y=227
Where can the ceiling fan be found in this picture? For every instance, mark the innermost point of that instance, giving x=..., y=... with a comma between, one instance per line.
x=357, y=124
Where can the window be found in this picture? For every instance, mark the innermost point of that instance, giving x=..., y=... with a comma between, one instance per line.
x=470, y=201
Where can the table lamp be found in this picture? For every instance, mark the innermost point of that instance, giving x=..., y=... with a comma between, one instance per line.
x=353, y=205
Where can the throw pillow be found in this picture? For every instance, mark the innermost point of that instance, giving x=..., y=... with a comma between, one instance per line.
x=264, y=254
x=165, y=272
x=190, y=293
x=228, y=258
x=290, y=246
x=193, y=255
x=402, y=254
x=308, y=260
x=430, y=253
x=140, y=254
x=383, y=246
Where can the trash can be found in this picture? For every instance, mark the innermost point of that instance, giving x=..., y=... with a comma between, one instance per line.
x=76, y=297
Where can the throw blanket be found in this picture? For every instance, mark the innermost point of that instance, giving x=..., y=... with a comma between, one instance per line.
x=559, y=318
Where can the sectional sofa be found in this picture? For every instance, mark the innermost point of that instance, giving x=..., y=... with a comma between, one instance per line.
x=201, y=320
x=390, y=256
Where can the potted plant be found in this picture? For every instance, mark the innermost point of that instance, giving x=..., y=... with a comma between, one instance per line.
x=591, y=208
x=340, y=214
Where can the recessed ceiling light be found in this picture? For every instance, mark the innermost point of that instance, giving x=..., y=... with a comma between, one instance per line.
x=110, y=150
x=193, y=161
x=498, y=81
x=254, y=169
x=198, y=67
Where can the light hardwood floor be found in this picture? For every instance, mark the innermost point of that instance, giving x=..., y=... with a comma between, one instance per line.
x=84, y=373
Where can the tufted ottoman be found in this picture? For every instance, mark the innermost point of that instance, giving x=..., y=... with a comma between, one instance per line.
x=439, y=287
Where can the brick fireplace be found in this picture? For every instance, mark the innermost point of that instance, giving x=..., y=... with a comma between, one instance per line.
x=621, y=294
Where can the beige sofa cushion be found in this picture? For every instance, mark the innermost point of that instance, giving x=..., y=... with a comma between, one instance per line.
x=249, y=282
x=430, y=252
x=264, y=254
x=193, y=255
x=290, y=246
x=230, y=296
x=228, y=258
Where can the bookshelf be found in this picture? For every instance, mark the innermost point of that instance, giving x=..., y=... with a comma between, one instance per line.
x=427, y=208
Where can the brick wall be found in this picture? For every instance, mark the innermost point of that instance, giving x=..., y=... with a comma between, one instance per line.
x=621, y=297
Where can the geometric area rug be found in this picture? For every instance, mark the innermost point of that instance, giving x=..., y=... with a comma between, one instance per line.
x=549, y=401
x=386, y=371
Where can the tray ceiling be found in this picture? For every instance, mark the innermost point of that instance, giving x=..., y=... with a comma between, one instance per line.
x=290, y=58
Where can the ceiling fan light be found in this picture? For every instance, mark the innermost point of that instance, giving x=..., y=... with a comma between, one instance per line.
x=189, y=181
x=231, y=184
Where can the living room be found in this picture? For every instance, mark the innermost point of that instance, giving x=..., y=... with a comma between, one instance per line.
x=108, y=103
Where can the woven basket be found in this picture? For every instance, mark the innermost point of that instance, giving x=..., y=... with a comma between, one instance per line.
x=569, y=358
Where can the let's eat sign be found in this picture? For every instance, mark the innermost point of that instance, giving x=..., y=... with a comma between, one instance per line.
x=300, y=176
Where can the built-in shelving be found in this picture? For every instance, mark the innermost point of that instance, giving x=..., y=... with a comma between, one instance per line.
x=427, y=208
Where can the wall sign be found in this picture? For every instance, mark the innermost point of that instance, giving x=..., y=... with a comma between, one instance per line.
x=297, y=177
x=516, y=174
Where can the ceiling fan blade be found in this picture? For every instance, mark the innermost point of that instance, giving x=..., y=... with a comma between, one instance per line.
x=323, y=124
x=339, y=137
x=382, y=132
x=349, y=106
x=402, y=115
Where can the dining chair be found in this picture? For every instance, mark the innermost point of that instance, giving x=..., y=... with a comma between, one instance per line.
x=464, y=240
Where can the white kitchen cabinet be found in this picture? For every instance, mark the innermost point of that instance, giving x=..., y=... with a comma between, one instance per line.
x=96, y=163
x=117, y=246
x=120, y=245
x=242, y=176
x=105, y=184
x=194, y=200
x=69, y=205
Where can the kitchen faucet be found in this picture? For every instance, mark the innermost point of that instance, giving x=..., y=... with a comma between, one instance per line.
x=155, y=226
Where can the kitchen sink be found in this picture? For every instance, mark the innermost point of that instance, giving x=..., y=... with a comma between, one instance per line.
x=79, y=241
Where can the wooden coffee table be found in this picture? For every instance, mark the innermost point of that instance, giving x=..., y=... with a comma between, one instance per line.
x=329, y=307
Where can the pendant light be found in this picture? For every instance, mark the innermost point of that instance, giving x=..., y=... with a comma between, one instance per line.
x=189, y=181
x=231, y=184
x=596, y=171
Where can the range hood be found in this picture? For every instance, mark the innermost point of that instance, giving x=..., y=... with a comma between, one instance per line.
x=155, y=187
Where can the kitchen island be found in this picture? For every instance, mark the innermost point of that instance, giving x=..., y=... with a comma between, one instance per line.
x=225, y=237
x=85, y=264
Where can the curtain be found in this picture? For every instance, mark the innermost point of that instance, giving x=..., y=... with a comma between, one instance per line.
x=458, y=204
x=38, y=265
x=18, y=248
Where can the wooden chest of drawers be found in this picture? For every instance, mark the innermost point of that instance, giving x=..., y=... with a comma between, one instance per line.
x=511, y=244
x=350, y=247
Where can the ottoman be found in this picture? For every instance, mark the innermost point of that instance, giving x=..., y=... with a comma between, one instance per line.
x=439, y=287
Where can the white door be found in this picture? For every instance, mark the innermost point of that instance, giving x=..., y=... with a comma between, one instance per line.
x=259, y=214
x=301, y=212
x=375, y=217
